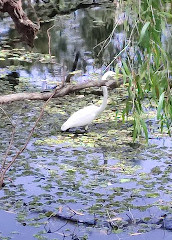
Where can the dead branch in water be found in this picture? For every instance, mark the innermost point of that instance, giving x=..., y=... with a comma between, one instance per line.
x=59, y=93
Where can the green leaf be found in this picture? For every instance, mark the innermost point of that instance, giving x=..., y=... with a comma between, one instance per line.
x=165, y=14
x=143, y=74
x=124, y=75
x=152, y=195
x=123, y=115
x=124, y=180
x=135, y=132
x=126, y=68
x=145, y=129
x=160, y=105
x=143, y=31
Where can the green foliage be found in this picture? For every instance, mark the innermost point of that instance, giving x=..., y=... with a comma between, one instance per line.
x=144, y=31
x=160, y=105
x=148, y=76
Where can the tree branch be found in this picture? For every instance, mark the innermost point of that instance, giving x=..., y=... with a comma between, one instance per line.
x=6, y=168
x=26, y=28
x=60, y=92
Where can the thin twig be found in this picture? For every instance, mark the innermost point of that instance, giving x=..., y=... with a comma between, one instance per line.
x=153, y=15
x=11, y=140
x=7, y=116
x=8, y=149
x=49, y=39
x=3, y=172
x=108, y=40
x=75, y=212
x=132, y=217
x=110, y=220
x=129, y=41
x=56, y=231
x=102, y=42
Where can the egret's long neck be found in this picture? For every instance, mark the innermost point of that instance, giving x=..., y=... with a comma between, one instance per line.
x=105, y=97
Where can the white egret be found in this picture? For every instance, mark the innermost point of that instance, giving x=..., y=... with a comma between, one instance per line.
x=86, y=115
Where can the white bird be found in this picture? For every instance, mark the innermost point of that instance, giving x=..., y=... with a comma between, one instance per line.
x=86, y=115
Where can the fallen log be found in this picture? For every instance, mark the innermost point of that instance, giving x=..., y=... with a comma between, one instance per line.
x=59, y=93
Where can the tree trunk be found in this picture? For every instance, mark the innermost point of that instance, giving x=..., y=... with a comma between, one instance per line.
x=24, y=26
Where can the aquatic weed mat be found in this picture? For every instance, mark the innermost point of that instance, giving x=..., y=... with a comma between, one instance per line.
x=82, y=182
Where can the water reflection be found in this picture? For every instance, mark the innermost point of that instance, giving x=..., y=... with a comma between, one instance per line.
x=81, y=31
x=78, y=32
x=162, y=142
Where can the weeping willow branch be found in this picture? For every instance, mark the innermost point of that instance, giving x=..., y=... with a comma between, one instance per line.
x=106, y=42
x=128, y=44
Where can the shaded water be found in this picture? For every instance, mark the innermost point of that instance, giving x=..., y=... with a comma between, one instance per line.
x=79, y=32
x=100, y=174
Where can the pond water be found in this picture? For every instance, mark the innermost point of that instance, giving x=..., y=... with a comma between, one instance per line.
x=64, y=182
